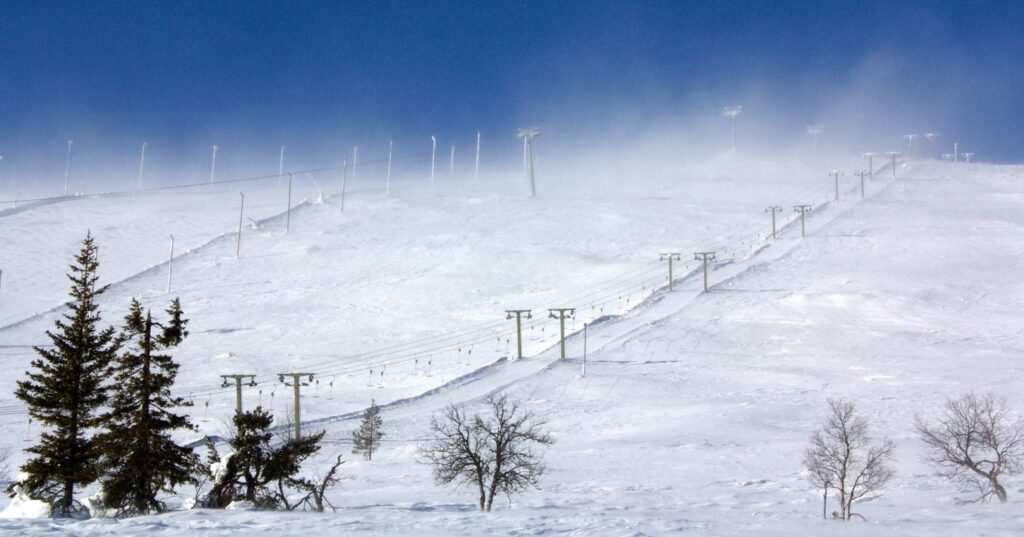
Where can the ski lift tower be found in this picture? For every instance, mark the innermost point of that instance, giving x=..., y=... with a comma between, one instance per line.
x=527, y=135
x=731, y=112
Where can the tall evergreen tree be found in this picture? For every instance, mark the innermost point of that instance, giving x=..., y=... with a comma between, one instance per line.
x=366, y=438
x=65, y=389
x=140, y=458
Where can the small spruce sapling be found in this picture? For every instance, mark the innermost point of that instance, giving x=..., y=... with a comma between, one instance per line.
x=366, y=439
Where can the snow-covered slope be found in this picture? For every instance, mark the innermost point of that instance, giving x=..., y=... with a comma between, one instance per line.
x=696, y=406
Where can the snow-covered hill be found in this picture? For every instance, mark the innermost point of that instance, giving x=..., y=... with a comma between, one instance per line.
x=696, y=406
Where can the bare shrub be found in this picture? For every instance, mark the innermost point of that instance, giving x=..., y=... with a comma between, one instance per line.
x=975, y=443
x=841, y=458
x=496, y=453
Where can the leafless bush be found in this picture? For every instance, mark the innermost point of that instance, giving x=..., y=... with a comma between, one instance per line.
x=315, y=498
x=840, y=458
x=975, y=443
x=494, y=453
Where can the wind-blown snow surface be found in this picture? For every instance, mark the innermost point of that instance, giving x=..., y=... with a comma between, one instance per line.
x=695, y=408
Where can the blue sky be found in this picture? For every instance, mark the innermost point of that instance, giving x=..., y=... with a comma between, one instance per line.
x=184, y=75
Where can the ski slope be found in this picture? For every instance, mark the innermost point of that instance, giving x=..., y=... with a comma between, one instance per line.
x=696, y=406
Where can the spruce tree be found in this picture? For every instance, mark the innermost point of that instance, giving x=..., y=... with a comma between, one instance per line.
x=366, y=438
x=65, y=389
x=257, y=466
x=140, y=458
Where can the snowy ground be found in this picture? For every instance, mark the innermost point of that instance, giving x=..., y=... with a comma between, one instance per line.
x=695, y=408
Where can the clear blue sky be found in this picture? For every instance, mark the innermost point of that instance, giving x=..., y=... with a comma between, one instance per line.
x=187, y=74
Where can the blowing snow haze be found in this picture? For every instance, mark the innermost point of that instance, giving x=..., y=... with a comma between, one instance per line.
x=675, y=251
x=320, y=78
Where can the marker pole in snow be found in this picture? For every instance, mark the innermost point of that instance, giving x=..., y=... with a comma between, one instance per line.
x=288, y=211
x=773, y=209
x=170, y=265
x=861, y=174
x=519, y=328
x=968, y=157
x=803, y=210
x=280, y=167
x=560, y=313
x=213, y=164
x=451, y=163
x=476, y=168
x=836, y=174
x=241, y=211
x=296, y=383
x=344, y=181
x=387, y=182
x=705, y=257
x=355, y=159
x=433, y=159
x=584, y=349
x=67, y=167
x=670, y=257
x=238, y=387
x=142, y=163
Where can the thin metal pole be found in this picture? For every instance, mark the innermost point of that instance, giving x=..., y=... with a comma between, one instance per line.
x=836, y=174
x=451, y=163
x=519, y=328
x=170, y=265
x=433, y=157
x=387, y=183
x=280, y=167
x=584, y=349
x=344, y=181
x=288, y=211
x=355, y=159
x=670, y=257
x=559, y=313
x=213, y=163
x=298, y=429
x=561, y=323
x=802, y=209
x=142, y=163
x=476, y=168
x=705, y=256
x=241, y=211
x=519, y=337
x=525, y=165
x=862, y=174
x=67, y=167
x=533, y=186
x=773, y=209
